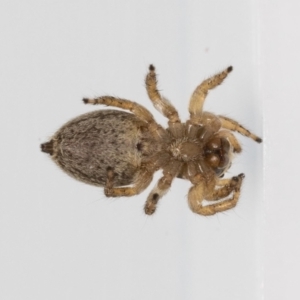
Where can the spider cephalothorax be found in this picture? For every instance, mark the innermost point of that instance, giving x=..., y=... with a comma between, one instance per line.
x=121, y=151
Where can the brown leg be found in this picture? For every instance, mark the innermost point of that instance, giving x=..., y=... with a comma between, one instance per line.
x=200, y=93
x=197, y=194
x=139, y=110
x=232, y=140
x=227, y=186
x=235, y=126
x=144, y=178
x=160, y=103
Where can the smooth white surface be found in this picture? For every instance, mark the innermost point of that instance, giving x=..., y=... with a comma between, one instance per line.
x=280, y=89
x=61, y=239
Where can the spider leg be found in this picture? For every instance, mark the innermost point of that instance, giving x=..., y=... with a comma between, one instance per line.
x=232, y=140
x=200, y=93
x=158, y=192
x=139, y=110
x=198, y=193
x=170, y=171
x=195, y=198
x=227, y=186
x=235, y=126
x=143, y=179
x=160, y=103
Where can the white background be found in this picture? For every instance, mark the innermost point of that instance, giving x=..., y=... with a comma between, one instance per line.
x=61, y=239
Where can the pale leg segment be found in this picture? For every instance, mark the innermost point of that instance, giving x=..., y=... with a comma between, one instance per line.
x=157, y=193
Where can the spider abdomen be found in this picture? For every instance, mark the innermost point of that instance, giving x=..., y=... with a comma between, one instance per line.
x=88, y=145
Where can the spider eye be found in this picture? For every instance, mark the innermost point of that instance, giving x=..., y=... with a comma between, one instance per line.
x=214, y=144
x=217, y=154
x=213, y=160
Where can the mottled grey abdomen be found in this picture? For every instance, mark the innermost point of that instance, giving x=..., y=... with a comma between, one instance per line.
x=88, y=145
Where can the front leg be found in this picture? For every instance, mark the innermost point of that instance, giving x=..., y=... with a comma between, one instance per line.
x=233, y=125
x=199, y=192
x=226, y=187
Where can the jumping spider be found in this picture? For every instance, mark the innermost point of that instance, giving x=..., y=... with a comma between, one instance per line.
x=120, y=151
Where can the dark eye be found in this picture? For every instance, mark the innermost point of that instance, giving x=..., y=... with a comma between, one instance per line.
x=217, y=154
x=213, y=160
x=214, y=144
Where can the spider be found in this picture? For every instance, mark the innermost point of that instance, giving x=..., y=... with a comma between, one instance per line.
x=121, y=150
